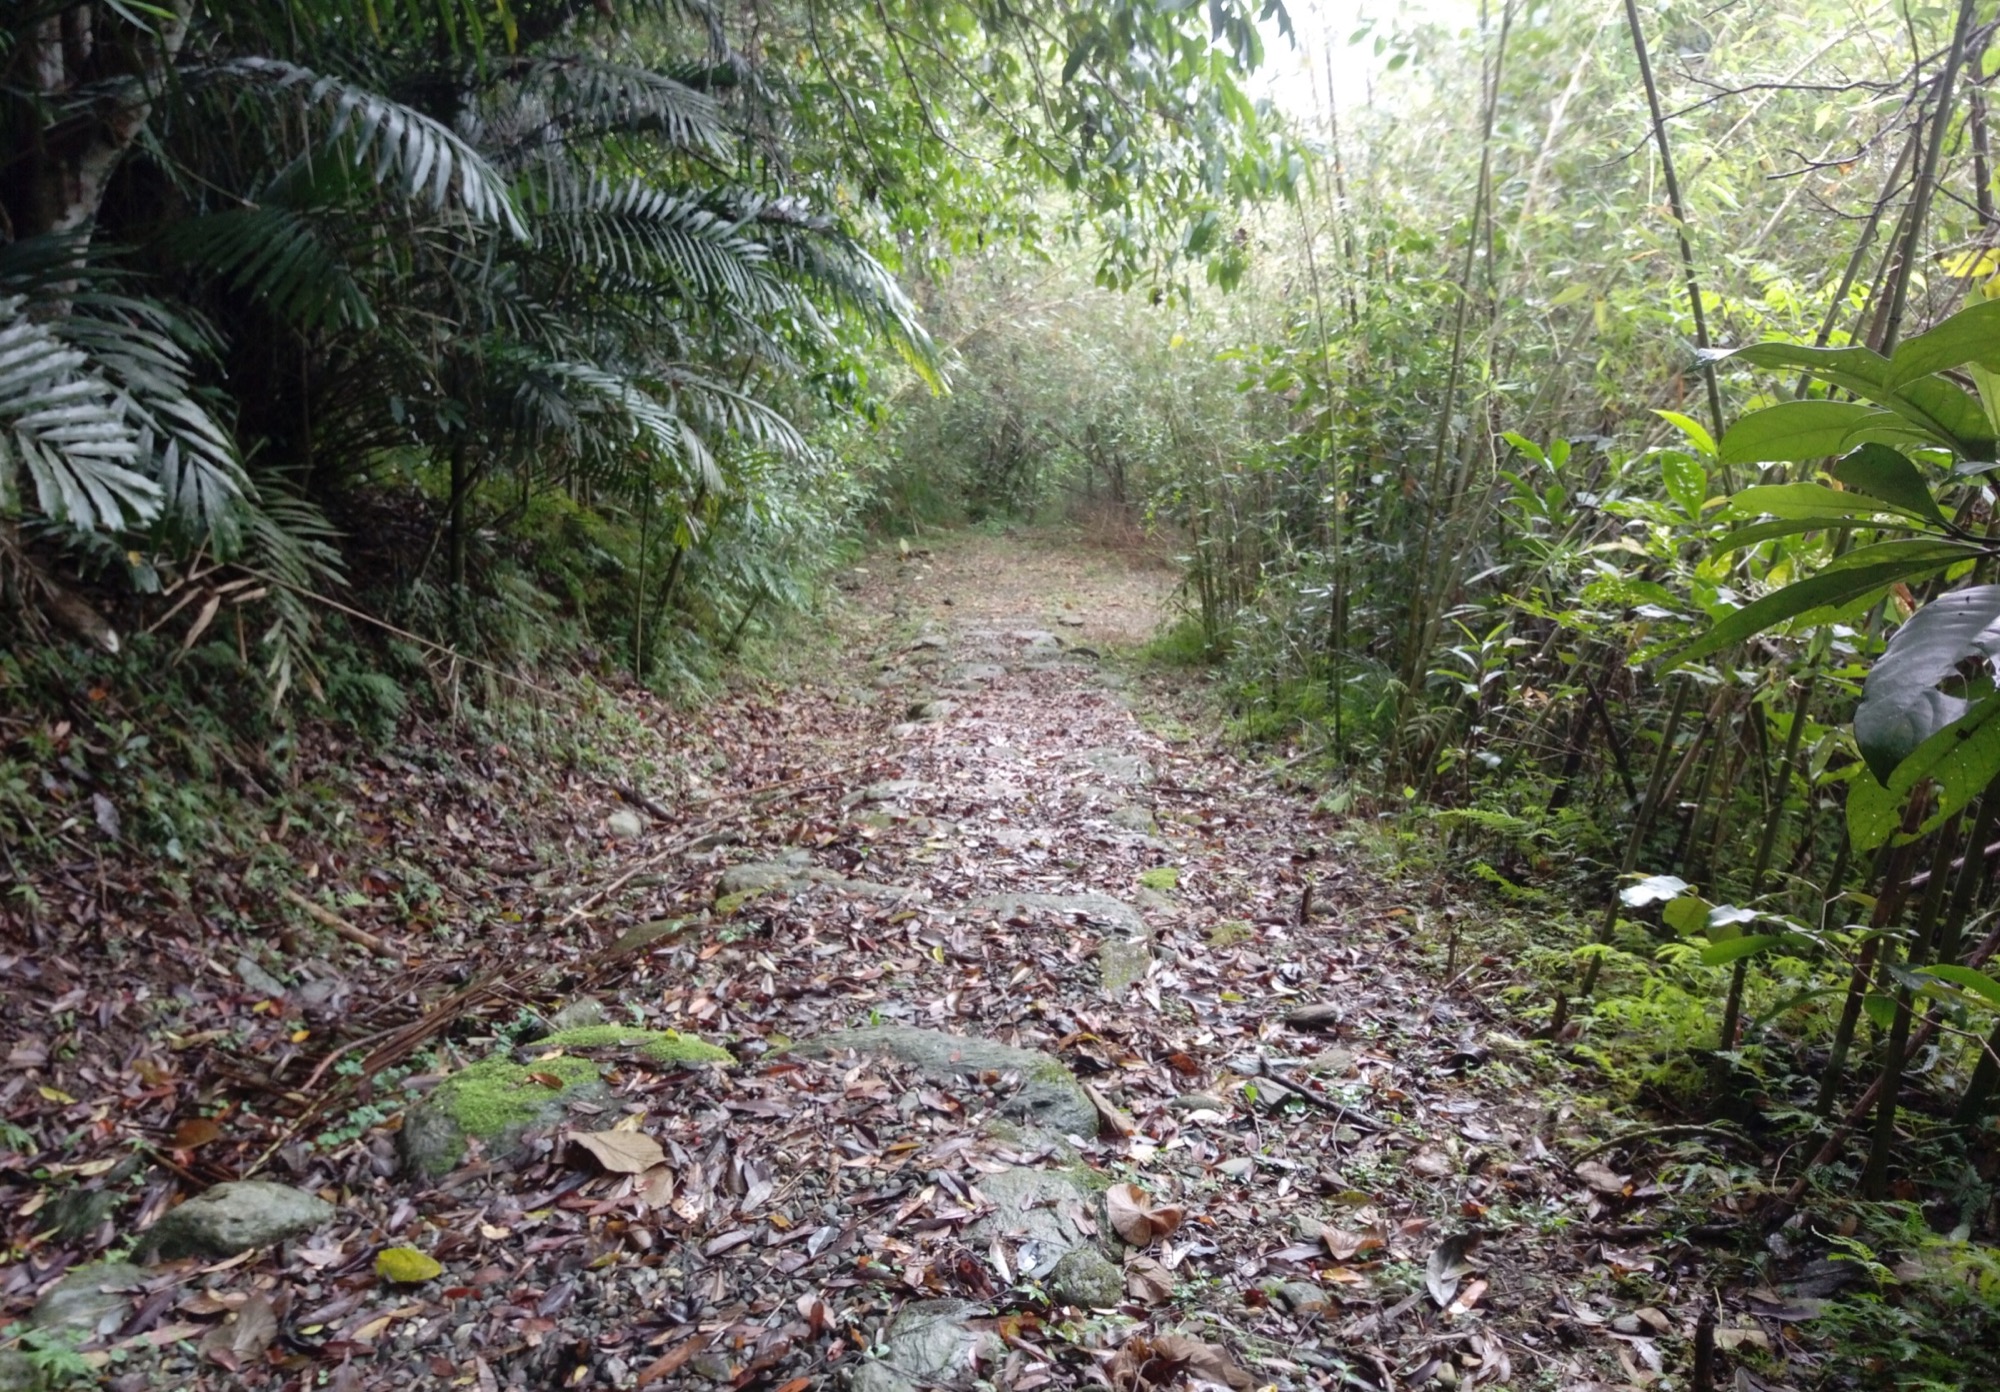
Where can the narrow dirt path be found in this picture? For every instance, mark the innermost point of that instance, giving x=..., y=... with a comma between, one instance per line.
x=1062, y=1050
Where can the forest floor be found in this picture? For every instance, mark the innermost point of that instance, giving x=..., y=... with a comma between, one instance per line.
x=1265, y=1129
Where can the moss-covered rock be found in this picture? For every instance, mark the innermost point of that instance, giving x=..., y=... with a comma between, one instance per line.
x=1085, y=1276
x=655, y=1046
x=495, y=1102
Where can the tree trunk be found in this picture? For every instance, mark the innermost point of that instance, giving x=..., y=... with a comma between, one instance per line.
x=60, y=182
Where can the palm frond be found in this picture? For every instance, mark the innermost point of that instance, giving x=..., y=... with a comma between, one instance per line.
x=401, y=147
x=283, y=258
x=581, y=96
x=645, y=236
x=69, y=429
x=825, y=258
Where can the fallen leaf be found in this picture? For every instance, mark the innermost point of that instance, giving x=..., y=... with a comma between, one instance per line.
x=1434, y=1164
x=669, y=1362
x=656, y=1187
x=1448, y=1265
x=1467, y=1298
x=1148, y=1281
x=1602, y=1177
x=1342, y=1245
x=407, y=1266
x=1156, y=1362
x=1137, y=1219
x=195, y=1131
x=621, y=1152
x=1111, y=1121
x=243, y=1339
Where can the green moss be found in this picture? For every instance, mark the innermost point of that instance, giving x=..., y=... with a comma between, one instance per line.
x=488, y=1098
x=730, y=903
x=1160, y=877
x=655, y=1046
x=1230, y=933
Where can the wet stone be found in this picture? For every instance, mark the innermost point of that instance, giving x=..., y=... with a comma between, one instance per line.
x=1085, y=1276
x=236, y=1217
x=81, y=1302
x=1041, y=1215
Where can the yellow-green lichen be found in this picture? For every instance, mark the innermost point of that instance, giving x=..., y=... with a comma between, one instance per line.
x=655, y=1046
x=488, y=1098
x=1160, y=877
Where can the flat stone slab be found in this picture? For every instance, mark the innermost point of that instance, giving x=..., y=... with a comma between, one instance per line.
x=1049, y=1097
x=1117, y=765
x=977, y=673
x=1102, y=907
x=89, y=1298
x=1042, y=1214
x=928, y=1343
x=790, y=876
x=236, y=1217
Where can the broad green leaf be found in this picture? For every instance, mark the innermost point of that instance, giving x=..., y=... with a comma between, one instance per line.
x=1795, y=431
x=1977, y=982
x=1970, y=336
x=1728, y=950
x=1686, y=915
x=1831, y=589
x=1686, y=480
x=1963, y=757
x=1941, y=410
x=1880, y=1009
x=1806, y=500
x=1901, y=705
x=1910, y=550
x=1653, y=889
x=1887, y=474
x=1696, y=432
x=1759, y=532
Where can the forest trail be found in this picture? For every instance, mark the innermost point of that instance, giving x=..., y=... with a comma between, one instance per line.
x=1061, y=1049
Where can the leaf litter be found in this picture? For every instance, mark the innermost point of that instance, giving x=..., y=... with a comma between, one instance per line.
x=1297, y=1197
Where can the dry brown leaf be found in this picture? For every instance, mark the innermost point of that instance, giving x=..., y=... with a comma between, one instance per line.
x=1148, y=1281
x=1434, y=1164
x=195, y=1131
x=1209, y=1362
x=1111, y=1121
x=670, y=1362
x=243, y=1339
x=1602, y=1178
x=656, y=1187
x=1342, y=1245
x=621, y=1152
x=1467, y=1298
x=1137, y=1219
